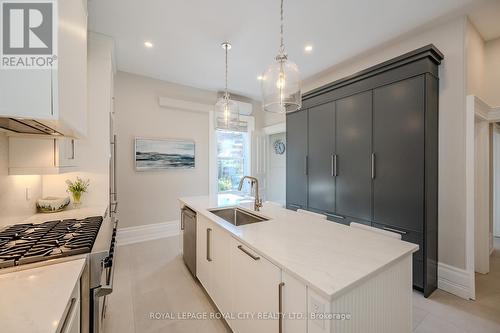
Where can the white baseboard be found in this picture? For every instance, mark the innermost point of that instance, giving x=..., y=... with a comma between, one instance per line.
x=455, y=281
x=147, y=232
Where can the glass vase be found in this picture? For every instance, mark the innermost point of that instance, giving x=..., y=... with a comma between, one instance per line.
x=77, y=198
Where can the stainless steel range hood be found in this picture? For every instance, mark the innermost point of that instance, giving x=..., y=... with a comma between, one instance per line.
x=26, y=126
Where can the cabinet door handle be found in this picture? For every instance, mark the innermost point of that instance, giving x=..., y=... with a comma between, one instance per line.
x=182, y=220
x=254, y=257
x=335, y=168
x=306, y=165
x=280, y=306
x=332, y=165
x=373, y=165
x=72, y=149
x=401, y=232
x=209, y=234
x=335, y=216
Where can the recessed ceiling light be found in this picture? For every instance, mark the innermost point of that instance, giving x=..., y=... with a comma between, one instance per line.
x=148, y=44
x=308, y=48
x=260, y=78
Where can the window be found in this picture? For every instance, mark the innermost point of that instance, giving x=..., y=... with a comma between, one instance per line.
x=233, y=160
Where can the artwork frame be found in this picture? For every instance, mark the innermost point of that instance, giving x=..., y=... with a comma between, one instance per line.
x=158, y=154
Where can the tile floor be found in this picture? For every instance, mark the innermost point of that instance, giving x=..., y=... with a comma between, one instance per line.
x=151, y=277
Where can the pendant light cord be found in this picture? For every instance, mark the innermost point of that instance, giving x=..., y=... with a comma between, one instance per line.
x=282, y=44
x=226, y=70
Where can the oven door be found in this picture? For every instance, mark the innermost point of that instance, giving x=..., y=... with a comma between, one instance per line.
x=99, y=294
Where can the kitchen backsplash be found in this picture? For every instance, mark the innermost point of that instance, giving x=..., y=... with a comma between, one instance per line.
x=15, y=203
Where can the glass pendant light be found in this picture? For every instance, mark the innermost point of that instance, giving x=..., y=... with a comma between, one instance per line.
x=227, y=114
x=281, y=83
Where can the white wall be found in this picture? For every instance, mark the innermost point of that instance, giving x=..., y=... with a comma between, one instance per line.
x=492, y=59
x=151, y=197
x=449, y=39
x=93, y=153
x=475, y=62
x=14, y=207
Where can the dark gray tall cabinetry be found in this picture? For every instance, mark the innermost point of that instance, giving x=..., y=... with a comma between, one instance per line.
x=364, y=149
x=296, y=161
x=321, y=144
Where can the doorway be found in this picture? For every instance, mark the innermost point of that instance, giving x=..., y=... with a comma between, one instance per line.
x=486, y=199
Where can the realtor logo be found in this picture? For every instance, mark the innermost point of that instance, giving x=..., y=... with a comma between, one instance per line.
x=28, y=34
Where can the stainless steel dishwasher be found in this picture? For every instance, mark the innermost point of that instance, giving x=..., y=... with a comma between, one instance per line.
x=188, y=225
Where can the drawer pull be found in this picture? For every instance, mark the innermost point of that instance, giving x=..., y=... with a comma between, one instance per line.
x=254, y=257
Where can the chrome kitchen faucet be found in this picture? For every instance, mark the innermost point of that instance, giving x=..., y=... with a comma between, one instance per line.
x=258, y=201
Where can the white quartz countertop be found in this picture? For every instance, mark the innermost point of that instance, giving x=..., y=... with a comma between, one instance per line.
x=69, y=213
x=329, y=257
x=34, y=300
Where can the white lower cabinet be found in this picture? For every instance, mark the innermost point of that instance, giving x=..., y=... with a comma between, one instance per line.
x=203, y=261
x=255, y=287
x=70, y=323
x=213, y=262
x=221, y=275
x=294, y=297
x=243, y=283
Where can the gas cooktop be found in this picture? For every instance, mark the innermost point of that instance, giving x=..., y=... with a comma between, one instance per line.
x=26, y=243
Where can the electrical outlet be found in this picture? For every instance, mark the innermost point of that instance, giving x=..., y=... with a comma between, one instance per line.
x=318, y=311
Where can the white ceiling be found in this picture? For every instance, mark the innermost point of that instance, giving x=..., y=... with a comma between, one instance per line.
x=187, y=34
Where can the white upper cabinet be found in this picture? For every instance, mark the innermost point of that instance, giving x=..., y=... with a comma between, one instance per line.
x=54, y=97
x=41, y=156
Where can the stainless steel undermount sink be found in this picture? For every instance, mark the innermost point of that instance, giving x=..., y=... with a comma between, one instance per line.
x=237, y=216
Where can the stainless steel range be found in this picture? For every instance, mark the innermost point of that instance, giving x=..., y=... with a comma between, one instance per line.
x=24, y=246
x=27, y=243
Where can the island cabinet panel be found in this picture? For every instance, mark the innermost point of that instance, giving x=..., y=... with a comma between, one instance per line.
x=221, y=273
x=296, y=160
x=320, y=157
x=203, y=261
x=353, y=153
x=398, y=147
x=255, y=284
x=371, y=143
x=214, y=262
x=294, y=300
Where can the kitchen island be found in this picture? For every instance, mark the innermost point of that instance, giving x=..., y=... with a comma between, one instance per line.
x=319, y=275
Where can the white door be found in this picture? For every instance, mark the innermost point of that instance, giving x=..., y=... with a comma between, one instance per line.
x=255, y=287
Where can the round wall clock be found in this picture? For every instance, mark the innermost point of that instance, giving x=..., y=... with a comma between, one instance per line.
x=279, y=147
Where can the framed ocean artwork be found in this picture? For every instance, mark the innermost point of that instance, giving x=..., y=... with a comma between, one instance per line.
x=160, y=154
